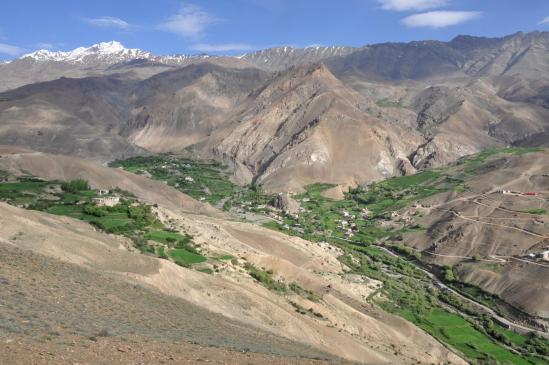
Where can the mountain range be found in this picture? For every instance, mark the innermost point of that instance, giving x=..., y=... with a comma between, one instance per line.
x=286, y=117
x=385, y=204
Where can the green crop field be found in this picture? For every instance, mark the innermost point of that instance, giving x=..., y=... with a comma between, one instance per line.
x=166, y=236
x=461, y=335
x=184, y=258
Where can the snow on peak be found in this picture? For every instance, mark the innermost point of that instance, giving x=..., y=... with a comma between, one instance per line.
x=112, y=51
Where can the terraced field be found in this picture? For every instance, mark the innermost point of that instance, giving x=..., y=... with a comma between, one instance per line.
x=129, y=217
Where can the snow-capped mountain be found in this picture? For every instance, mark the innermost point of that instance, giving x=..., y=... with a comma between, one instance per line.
x=111, y=52
x=114, y=52
x=106, y=53
x=280, y=58
x=112, y=57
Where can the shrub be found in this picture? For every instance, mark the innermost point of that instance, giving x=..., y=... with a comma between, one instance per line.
x=265, y=278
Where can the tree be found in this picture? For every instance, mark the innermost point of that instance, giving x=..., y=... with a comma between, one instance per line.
x=75, y=186
x=448, y=273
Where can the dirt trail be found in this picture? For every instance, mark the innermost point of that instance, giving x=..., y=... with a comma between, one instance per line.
x=492, y=224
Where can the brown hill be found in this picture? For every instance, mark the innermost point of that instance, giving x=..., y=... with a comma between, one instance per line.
x=306, y=126
x=486, y=235
x=379, y=111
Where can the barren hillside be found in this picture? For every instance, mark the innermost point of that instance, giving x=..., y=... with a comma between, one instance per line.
x=343, y=330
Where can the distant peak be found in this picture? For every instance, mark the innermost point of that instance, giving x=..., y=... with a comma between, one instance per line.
x=108, y=51
x=112, y=46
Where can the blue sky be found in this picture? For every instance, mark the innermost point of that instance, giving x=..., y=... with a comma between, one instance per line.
x=237, y=26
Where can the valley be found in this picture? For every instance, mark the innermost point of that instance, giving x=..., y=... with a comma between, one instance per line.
x=378, y=204
x=375, y=228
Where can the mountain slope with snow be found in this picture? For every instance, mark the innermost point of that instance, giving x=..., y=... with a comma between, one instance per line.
x=107, y=51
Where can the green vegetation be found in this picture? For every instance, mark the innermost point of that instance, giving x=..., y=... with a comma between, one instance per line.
x=539, y=211
x=369, y=215
x=408, y=292
x=204, y=180
x=463, y=336
x=166, y=236
x=386, y=103
x=161, y=252
x=129, y=217
x=75, y=186
x=308, y=294
x=356, y=217
x=301, y=310
x=266, y=278
x=448, y=274
x=473, y=162
x=205, y=270
x=207, y=181
x=184, y=257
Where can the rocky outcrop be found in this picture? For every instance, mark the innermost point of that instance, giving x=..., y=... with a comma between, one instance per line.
x=286, y=203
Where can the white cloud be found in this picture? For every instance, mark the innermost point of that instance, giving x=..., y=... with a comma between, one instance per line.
x=109, y=22
x=544, y=21
x=404, y=5
x=10, y=50
x=440, y=19
x=190, y=21
x=227, y=47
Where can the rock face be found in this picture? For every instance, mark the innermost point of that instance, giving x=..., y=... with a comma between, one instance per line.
x=288, y=204
x=359, y=115
x=306, y=126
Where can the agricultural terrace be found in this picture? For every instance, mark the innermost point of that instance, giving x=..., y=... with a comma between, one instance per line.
x=128, y=217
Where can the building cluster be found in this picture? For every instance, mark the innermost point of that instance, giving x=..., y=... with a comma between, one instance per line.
x=106, y=200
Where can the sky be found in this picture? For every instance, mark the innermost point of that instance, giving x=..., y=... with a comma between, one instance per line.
x=239, y=26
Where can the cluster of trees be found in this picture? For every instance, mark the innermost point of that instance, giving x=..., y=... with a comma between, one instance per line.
x=75, y=186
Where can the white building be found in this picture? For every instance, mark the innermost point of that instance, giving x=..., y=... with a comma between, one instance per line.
x=189, y=179
x=107, y=201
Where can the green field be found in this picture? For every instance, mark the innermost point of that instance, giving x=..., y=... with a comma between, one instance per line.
x=473, y=162
x=128, y=218
x=458, y=333
x=184, y=258
x=167, y=236
x=412, y=297
x=204, y=180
